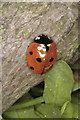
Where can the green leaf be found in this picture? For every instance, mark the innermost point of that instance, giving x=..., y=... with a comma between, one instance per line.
x=58, y=84
x=10, y=114
x=75, y=66
x=48, y=111
x=20, y=109
x=21, y=113
x=64, y=107
x=28, y=104
x=68, y=112
x=76, y=104
x=76, y=97
x=27, y=113
x=36, y=91
x=76, y=86
x=76, y=110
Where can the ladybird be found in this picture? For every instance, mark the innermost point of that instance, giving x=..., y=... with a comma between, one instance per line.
x=41, y=54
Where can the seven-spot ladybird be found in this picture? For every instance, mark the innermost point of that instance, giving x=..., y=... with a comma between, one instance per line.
x=41, y=54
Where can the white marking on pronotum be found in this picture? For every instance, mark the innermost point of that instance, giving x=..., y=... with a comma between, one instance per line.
x=48, y=45
x=43, y=48
x=37, y=38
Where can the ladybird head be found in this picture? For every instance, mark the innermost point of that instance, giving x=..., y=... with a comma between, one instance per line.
x=43, y=39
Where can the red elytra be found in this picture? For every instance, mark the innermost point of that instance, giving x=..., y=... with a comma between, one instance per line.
x=41, y=56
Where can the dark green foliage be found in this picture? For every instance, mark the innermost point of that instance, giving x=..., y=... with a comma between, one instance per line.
x=56, y=100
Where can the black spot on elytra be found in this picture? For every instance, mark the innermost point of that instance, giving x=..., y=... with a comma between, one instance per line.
x=51, y=59
x=32, y=68
x=31, y=52
x=38, y=59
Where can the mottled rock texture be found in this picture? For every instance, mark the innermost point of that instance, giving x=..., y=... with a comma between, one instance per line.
x=20, y=23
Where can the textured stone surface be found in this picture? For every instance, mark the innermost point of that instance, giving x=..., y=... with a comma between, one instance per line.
x=21, y=22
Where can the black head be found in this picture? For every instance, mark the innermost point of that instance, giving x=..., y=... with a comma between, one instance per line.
x=42, y=39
